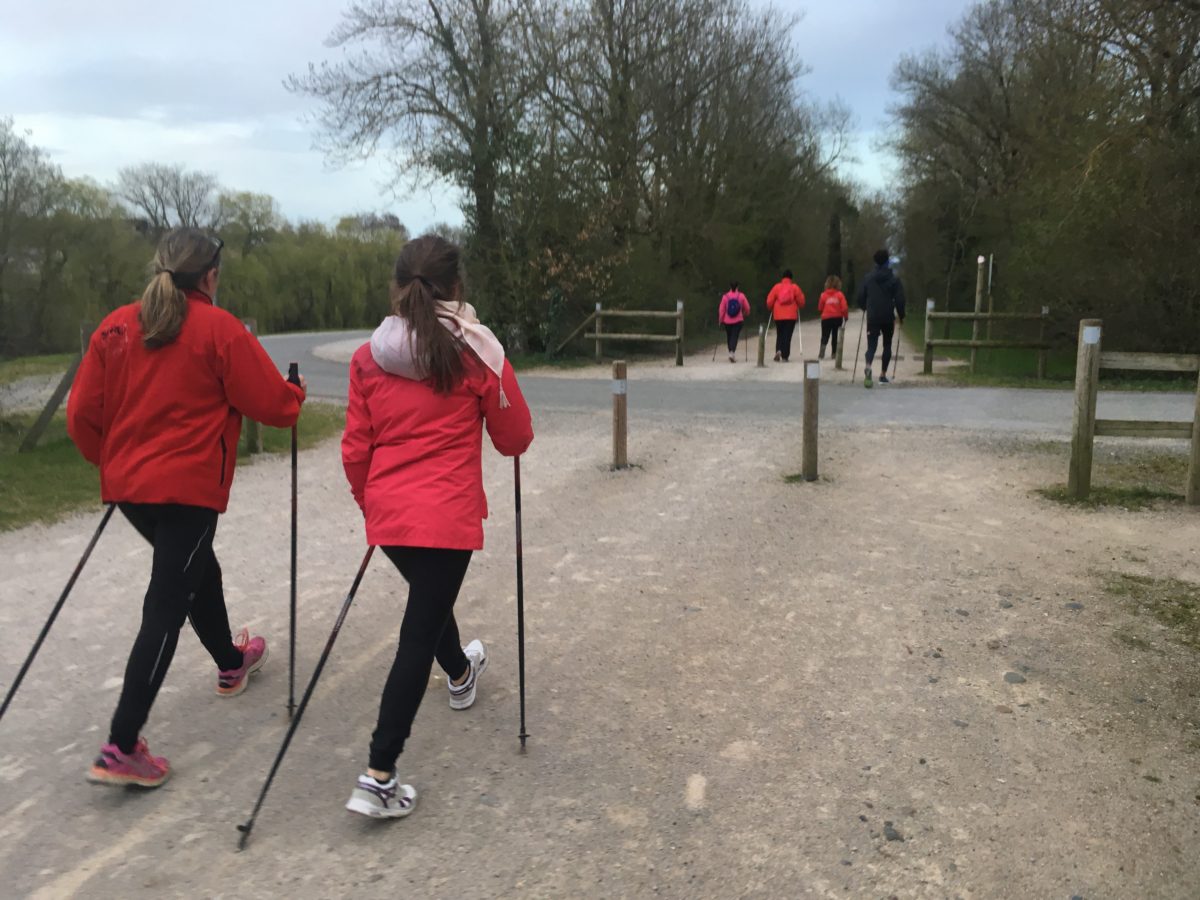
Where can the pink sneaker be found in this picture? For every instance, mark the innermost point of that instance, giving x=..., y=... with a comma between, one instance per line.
x=232, y=682
x=137, y=768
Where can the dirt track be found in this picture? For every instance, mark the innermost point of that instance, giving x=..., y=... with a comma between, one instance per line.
x=735, y=684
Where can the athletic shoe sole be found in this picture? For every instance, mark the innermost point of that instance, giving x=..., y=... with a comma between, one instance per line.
x=241, y=685
x=371, y=811
x=468, y=700
x=97, y=775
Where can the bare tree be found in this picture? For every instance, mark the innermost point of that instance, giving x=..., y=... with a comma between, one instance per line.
x=170, y=196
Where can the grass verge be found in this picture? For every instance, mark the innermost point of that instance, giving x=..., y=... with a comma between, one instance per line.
x=1174, y=603
x=1135, y=482
x=28, y=366
x=54, y=480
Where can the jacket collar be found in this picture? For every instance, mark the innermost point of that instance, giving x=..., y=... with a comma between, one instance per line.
x=200, y=296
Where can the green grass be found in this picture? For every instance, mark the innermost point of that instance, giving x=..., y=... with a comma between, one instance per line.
x=1174, y=603
x=28, y=366
x=1134, y=481
x=1018, y=368
x=54, y=480
x=525, y=361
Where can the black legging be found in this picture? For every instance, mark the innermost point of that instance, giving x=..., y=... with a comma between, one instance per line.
x=428, y=631
x=874, y=332
x=185, y=583
x=829, y=332
x=783, y=337
x=732, y=330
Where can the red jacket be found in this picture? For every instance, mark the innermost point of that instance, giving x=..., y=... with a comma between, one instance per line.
x=832, y=305
x=724, y=317
x=414, y=458
x=163, y=424
x=785, y=301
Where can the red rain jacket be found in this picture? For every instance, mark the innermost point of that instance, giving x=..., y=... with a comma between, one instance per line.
x=163, y=424
x=785, y=301
x=833, y=305
x=414, y=457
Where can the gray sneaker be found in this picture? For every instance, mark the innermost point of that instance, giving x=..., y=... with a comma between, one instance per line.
x=462, y=696
x=382, y=801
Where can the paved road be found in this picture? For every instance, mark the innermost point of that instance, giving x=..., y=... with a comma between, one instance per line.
x=999, y=409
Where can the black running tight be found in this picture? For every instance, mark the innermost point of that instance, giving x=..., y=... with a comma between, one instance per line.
x=428, y=631
x=185, y=582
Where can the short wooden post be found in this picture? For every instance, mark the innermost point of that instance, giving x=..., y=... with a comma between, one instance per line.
x=253, y=431
x=929, y=306
x=620, y=389
x=1193, y=482
x=599, y=325
x=812, y=385
x=1083, y=430
x=679, y=332
x=1041, y=359
x=978, y=309
x=762, y=346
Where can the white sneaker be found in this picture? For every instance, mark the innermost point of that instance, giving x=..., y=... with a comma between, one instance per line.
x=382, y=801
x=462, y=696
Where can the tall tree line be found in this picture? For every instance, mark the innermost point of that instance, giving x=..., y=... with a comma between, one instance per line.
x=72, y=250
x=624, y=151
x=1063, y=136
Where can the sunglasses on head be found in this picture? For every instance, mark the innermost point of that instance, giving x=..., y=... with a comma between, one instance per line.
x=212, y=263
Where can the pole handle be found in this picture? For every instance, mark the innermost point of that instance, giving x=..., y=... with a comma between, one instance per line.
x=294, y=374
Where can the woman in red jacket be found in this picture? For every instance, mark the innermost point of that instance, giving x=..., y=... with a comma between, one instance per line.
x=834, y=311
x=784, y=303
x=421, y=393
x=157, y=404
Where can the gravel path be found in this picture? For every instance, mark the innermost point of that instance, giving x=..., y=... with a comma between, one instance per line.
x=738, y=687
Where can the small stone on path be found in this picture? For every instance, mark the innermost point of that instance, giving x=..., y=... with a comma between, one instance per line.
x=1004, y=709
x=1006, y=604
x=1074, y=606
x=960, y=723
x=891, y=833
x=962, y=612
x=993, y=644
x=1014, y=677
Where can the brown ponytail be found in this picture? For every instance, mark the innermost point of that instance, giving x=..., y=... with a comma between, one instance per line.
x=427, y=271
x=184, y=257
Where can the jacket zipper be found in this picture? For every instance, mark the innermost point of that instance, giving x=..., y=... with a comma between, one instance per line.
x=224, y=458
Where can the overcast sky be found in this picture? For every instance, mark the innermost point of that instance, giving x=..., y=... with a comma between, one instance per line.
x=105, y=85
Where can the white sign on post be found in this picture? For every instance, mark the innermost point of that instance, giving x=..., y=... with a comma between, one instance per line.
x=814, y=371
x=620, y=386
x=1091, y=334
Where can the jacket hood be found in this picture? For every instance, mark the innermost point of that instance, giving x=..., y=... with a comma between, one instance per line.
x=392, y=349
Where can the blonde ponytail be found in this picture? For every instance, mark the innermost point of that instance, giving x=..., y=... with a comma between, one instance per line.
x=184, y=257
x=163, y=309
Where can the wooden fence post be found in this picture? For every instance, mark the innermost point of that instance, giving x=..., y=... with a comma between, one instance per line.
x=762, y=346
x=599, y=324
x=812, y=385
x=929, y=305
x=841, y=344
x=60, y=393
x=1083, y=430
x=253, y=431
x=1041, y=359
x=620, y=389
x=1193, y=482
x=978, y=309
x=679, y=332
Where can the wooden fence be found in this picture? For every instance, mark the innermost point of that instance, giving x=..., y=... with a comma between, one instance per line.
x=600, y=335
x=1087, y=427
x=976, y=344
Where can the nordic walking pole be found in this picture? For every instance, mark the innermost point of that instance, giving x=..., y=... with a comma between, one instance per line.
x=246, y=827
x=520, y=599
x=896, y=353
x=858, y=349
x=37, y=645
x=293, y=378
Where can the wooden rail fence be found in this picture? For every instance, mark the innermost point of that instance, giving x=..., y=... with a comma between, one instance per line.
x=975, y=343
x=600, y=335
x=1086, y=427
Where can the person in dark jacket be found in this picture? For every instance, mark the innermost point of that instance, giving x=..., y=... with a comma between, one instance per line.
x=881, y=295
